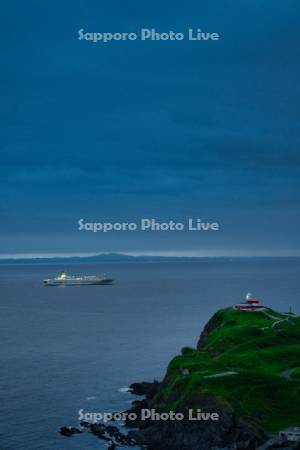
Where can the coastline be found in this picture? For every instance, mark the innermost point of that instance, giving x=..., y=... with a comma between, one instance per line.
x=195, y=406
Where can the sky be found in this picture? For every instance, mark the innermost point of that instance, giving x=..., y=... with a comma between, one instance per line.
x=171, y=130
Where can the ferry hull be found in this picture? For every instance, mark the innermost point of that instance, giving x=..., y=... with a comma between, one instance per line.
x=77, y=283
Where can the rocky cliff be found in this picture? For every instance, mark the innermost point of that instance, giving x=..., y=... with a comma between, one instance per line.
x=237, y=372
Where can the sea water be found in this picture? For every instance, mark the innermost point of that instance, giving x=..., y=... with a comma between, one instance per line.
x=64, y=349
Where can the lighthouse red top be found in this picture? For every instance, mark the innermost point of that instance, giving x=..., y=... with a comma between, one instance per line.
x=250, y=304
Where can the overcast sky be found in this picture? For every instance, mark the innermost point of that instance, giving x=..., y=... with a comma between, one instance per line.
x=169, y=130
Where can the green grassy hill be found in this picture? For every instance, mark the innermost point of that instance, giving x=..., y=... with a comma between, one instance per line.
x=248, y=360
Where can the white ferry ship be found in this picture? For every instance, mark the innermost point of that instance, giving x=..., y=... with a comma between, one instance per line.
x=70, y=280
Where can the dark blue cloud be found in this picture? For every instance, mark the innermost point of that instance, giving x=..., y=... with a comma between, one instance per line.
x=170, y=129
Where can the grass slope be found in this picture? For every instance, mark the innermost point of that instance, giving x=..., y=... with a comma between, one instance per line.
x=259, y=347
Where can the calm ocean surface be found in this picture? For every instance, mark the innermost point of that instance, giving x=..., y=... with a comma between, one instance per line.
x=67, y=348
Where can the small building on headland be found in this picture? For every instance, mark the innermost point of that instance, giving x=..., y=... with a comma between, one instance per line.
x=250, y=304
x=291, y=434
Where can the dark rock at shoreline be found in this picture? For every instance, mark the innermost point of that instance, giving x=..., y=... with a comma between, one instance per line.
x=138, y=405
x=85, y=424
x=228, y=432
x=69, y=431
x=112, y=447
x=99, y=430
x=145, y=388
x=187, y=436
x=110, y=433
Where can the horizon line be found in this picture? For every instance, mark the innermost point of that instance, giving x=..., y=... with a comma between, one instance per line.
x=83, y=255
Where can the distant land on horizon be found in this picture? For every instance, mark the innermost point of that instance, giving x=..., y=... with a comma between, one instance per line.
x=121, y=257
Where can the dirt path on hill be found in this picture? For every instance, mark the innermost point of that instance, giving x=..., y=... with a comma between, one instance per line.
x=222, y=374
x=277, y=320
